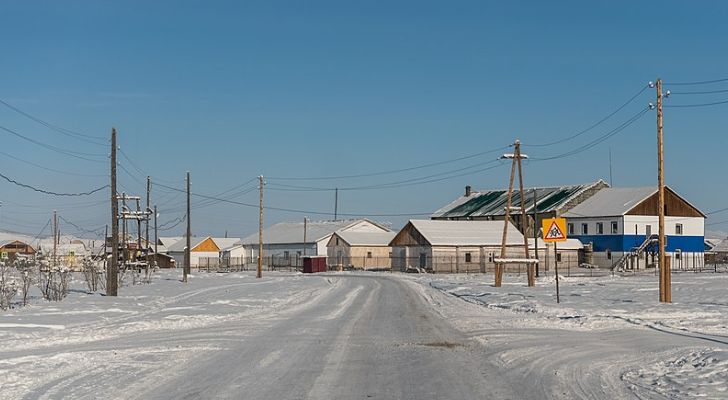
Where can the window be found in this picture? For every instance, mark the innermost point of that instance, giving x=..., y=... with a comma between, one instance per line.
x=648, y=230
x=609, y=254
x=286, y=255
x=615, y=227
x=468, y=258
x=584, y=229
x=337, y=241
x=490, y=257
x=570, y=228
x=600, y=228
x=369, y=254
x=678, y=253
x=678, y=229
x=558, y=257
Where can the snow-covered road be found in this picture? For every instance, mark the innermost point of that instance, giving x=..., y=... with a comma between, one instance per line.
x=339, y=336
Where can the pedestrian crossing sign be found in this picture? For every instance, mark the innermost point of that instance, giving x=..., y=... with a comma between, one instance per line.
x=554, y=229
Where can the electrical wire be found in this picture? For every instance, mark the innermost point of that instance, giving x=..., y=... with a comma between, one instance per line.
x=70, y=153
x=403, y=183
x=696, y=83
x=50, y=169
x=295, y=210
x=620, y=108
x=90, y=192
x=715, y=103
x=394, y=171
x=598, y=140
x=77, y=135
x=701, y=92
x=83, y=230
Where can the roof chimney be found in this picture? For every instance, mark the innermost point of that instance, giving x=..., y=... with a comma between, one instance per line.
x=468, y=191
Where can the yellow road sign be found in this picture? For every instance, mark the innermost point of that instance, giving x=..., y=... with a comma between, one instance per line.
x=554, y=229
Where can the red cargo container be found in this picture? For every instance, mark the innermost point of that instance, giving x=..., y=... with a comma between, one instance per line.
x=313, y=264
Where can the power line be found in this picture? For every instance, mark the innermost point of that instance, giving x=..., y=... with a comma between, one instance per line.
x=394, y=171
x=295, y=210
x=50, y=169
x=83, y=230
x=403, y=183
x=620, y=108
x=717, y=211
x=696, y=83
x=67, y=132
x=75, y=154
x=598, y=140
x=701, y=92
x=715, y=103
x=13, y=181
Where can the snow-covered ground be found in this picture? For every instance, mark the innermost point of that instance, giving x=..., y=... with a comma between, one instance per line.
x=608, y=338
x=695, y=324
x=52, y=349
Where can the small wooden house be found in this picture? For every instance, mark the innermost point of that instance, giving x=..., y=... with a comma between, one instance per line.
x=11, y=249
x=360, y=250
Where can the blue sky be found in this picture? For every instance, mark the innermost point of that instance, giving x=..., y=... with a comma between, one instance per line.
x=232, y=90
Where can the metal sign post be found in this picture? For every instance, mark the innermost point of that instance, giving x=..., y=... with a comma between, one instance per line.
x=554, y=230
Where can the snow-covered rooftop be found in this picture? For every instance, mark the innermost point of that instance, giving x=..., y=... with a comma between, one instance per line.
x=366, y=238
x=292, y=232
x=466, y=233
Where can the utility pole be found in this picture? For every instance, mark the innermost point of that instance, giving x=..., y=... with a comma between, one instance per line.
x=186, y=269
x=305, y=229
x=156, y=237
x=665, y=278
x=146, y=231
x=535, y=228
x=336, y=204
x=55, y=238
x=499, y=264
x=112, y=273
x=139, y=231
x=260, y=232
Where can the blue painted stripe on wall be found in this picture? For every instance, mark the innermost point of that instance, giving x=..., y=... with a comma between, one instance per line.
x=627, y=242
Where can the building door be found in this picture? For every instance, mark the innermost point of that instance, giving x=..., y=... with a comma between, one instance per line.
x=423, y=260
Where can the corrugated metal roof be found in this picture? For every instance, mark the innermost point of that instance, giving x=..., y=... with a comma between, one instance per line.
x=292, y=232
x=493, y=202
x=366, y=238
x=170, y=240
x=466, y=233
x=611, y=202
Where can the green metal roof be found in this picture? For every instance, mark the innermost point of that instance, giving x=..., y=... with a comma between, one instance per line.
x=493, y=202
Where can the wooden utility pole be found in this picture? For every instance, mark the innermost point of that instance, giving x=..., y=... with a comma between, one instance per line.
x=260, y=231
x=139, y=230
x=336, y=204
x=499, y=265
x=535, y=228
x=305, y=229
x=55, y=239
x=112, y=282
x=146, y=230
x=665, y=286
x=529, y=266
x=186, y=269
x=156, y=237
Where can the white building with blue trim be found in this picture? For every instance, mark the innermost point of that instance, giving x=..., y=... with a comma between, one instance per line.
x=622, y=226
